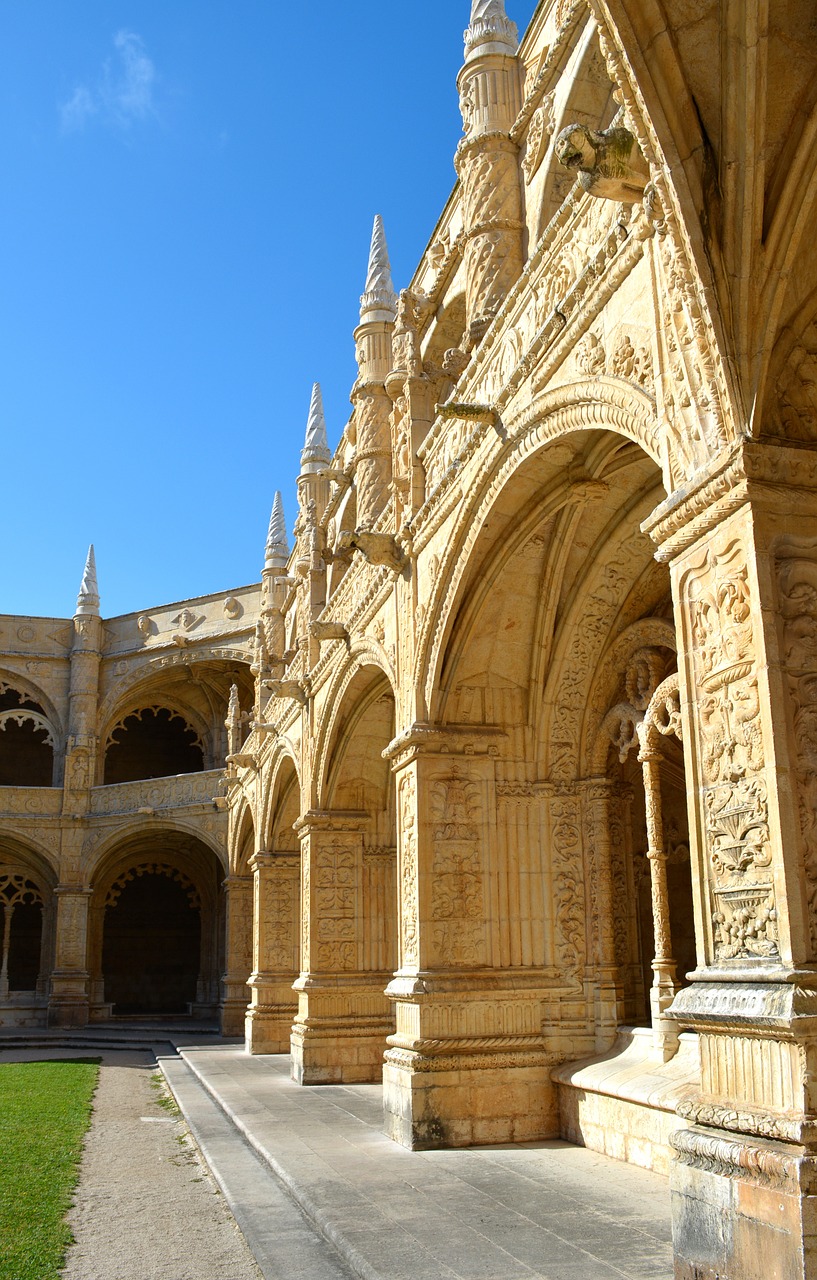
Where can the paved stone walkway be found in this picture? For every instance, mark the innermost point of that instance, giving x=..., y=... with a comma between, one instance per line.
x=540, y=1211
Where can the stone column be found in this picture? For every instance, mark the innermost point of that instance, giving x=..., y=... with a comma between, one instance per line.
x=371, y=424
x=276, y=952
x=467, y=1062
x=743, y=552
x=238, y=892
x=665, y=980
x=68, y=1005
x=602, y=971
x=487, y=162
x=343, y=1014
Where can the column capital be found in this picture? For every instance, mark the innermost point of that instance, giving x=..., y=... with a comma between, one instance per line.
x=329, y=820
x=451, y=740
x=747, y=469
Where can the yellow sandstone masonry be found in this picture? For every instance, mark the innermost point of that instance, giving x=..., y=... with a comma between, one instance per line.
x=500, y=787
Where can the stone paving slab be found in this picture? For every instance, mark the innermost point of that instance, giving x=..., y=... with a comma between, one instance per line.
x=284, y=1244
x=536, y=1211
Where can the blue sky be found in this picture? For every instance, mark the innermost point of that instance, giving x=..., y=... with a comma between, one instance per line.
x=188, y=193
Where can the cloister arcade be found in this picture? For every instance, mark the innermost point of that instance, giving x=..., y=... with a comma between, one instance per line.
x=499, y=787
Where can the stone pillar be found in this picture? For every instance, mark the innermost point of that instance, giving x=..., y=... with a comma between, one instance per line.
x=238, y=893
x=343, y=1014
x=467, y=1062
x=743, y=552
x=68, y=1005
x=602, y=971
x=276, y=913
x=372, y=418
x=487, y=162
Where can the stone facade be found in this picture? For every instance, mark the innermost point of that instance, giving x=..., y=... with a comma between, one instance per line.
x=522, y=747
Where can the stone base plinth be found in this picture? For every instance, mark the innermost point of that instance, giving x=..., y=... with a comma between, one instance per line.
x=22, y=1009
x=339, y=1034
x=623, y=1103
x=231, y=1016
x=463, y=1100
x=68, y=1013
x=742, y=1208
x=268, y=1028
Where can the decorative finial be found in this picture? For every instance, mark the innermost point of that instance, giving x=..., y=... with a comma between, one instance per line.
x=315, y=455
x=276, y=553
x=379, y=301
x=88, y=598
x=233, y=722
x=490, y=25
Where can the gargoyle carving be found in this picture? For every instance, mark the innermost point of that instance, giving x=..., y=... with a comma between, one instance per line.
x=377, y=548
x=608, y=164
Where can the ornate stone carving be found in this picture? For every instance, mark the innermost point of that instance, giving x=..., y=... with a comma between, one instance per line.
x=409, y=920
x=457, y=906
x=797, y=589
x=540, y=131
x=608, y=163
x=334, y=906
x=568, y=888
x=732, y=758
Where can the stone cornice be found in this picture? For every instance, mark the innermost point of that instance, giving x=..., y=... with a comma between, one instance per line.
x=724, y=486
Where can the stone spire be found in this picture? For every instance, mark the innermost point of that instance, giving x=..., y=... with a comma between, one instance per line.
x=315, y=456
x=491, y=26
x=276, y=553
x=379, y=301
x=88, y=598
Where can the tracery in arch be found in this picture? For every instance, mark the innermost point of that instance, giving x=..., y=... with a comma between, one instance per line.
x=27, y=740
x=152, y=742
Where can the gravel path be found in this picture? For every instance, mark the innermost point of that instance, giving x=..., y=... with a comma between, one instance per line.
x=146, y=1207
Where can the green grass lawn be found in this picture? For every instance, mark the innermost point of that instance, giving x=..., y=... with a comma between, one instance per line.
x=45, y=1109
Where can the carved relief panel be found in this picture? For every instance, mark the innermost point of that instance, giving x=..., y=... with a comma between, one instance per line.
x=408, y=886
x=796, y=574
x=723, y=633
x=457, y=885
x=335, y=896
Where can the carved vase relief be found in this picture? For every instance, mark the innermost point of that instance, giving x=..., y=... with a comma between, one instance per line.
x=731, y=756
x=457, y=907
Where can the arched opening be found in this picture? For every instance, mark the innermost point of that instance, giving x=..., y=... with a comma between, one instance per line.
x=239, y=929
x=26, y=936
x=560, y=591
x=151, y=942
x=152, y=742
x=644, y=671
x=360, y=780
x=349, y=949
x=157, y=929
x=277, y=913
x=26, y=741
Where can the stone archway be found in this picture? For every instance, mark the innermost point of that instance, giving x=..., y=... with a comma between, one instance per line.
x=26, y=936
x=349, y=939
x=156, y=935
x=151, y=945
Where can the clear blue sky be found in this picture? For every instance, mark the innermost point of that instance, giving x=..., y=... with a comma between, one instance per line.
x=188, y=192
